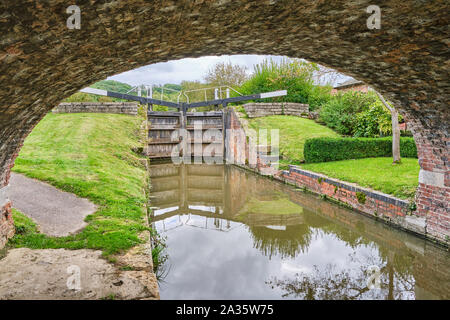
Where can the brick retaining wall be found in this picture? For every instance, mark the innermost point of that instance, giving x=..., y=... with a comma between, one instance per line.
x=373, y=203
x=7, y=228
x=6, y=223
x=377, y=204
x=97, y=107
x=238, y=149
x=393, y=210
x=255, y=110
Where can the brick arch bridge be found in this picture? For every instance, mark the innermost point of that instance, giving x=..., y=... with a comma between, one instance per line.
x=42, y=61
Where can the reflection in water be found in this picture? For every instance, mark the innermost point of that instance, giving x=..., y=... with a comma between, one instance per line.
x=286, y=242
x=234, y=235
x=329, y=282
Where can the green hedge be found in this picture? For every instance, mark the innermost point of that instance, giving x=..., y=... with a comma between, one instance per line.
x=334, y=149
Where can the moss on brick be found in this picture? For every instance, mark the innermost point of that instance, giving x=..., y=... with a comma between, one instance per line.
x=361, y=196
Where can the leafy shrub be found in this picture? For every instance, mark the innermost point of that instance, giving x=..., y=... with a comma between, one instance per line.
x=340, y=112
x=373, y=122
x=335, y=149
x=318, y=96
x=242, y=110
x=160, y=108
x=361, y=197
x=293, y=75
x=406, y=133
x=408, y=148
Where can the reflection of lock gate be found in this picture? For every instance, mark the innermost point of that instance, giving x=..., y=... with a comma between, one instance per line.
x=163, y=124
x=205, y=191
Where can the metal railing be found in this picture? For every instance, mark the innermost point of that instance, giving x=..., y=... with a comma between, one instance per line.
x=219, y=92
x=149, y=89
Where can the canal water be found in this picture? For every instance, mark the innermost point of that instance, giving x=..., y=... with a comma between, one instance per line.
x=232, y=234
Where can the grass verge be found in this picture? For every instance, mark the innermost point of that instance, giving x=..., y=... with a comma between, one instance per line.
x=380, y=174
x=294, y=131
x=91, y=156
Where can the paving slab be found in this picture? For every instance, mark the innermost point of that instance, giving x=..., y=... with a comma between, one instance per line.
x=57, y=213
x=61, y=274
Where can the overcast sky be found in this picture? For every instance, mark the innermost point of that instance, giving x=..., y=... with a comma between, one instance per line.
x=176, y=71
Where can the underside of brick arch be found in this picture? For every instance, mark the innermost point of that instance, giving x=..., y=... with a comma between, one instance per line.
x=42, y=61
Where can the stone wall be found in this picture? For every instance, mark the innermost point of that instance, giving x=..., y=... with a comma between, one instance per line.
x=377, y=204
x=255, y=110
x=97, y=107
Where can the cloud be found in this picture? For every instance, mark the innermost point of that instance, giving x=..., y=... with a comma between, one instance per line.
x=190, y=69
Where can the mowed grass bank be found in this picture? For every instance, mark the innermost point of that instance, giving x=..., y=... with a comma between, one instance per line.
x=91, y=156
x=376, y=173
x=380, y=174
x=294, y=131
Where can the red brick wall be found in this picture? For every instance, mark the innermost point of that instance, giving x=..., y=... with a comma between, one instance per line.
x=6, y=224
x=241, y=148
x=236, y=144
x=433, y=192
x=432, y=201
x=374, y=204
x=388, y=208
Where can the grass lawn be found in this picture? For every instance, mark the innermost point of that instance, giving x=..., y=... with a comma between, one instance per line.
x=376, y=173
x=293, y=133
x=89, y=155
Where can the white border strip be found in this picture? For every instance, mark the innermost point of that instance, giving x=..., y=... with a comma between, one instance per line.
x=95, y=91
x=273, y=94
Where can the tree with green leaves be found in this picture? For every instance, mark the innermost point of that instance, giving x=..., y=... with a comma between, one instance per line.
x=294, y=75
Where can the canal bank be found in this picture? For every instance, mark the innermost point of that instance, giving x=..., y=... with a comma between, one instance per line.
x=232, y=234
x=396, y=212
x=96, y=157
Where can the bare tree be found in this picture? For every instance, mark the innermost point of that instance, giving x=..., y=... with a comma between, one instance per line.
x=326, y=76
x=226, y=74
x=330, y=282
x=395, y=129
